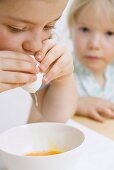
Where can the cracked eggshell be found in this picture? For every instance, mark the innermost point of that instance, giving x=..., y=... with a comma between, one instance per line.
x=33, y=87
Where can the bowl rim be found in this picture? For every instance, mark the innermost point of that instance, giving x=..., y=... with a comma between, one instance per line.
x=44, y=123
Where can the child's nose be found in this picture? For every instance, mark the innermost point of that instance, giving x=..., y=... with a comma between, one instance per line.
x=95, y=41
x=32, y=45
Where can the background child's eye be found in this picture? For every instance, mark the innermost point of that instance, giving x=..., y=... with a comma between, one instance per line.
x=109, y=33
x=84, y=29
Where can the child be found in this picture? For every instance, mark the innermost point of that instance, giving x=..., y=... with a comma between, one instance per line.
x=25, y=29
x=91, y=24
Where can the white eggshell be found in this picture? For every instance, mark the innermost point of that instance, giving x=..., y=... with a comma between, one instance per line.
x=33, y=87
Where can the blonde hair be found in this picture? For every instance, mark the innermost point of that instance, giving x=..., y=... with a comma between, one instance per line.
x=78, y=5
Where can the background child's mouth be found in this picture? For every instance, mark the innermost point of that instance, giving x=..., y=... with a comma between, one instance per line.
x=93, y=58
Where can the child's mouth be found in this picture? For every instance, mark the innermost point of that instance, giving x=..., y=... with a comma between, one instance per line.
x=93, y=58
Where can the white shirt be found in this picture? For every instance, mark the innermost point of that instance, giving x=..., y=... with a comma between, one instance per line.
x=88, y=86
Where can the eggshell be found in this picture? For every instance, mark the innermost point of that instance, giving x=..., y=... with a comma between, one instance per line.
x=33, y=87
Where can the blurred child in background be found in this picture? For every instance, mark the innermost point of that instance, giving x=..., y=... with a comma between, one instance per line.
x=91, y=24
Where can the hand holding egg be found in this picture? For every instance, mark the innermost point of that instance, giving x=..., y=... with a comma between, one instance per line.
x=33, y=87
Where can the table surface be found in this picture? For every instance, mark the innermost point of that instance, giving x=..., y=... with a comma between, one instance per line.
x=106, y=128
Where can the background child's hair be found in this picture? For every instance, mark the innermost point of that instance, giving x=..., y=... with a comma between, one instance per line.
x=77, y=5
x=75, y=8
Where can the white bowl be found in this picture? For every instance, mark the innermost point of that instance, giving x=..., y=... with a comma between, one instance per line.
x=16, y=142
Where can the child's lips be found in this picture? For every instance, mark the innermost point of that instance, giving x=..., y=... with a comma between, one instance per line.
x=93, y=58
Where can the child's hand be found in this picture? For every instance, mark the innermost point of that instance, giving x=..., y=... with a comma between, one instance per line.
x=95, y=108
x=55, y=61
x=16, y=69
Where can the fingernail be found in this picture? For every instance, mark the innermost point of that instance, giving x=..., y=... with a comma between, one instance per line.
x=42, y=67
x=39, y=56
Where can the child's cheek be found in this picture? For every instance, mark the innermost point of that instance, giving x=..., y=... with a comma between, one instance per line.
x=8, y=42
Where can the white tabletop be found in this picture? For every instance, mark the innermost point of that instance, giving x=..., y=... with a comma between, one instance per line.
x=99, y=150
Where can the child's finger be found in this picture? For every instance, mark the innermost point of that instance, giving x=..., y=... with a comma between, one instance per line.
x=47, y=46
x=51, y=75
x=96, y=116
x=5, y=87
x=16, y=77
x=111, y=106
x=106, y=112
x=57, y=70
x=54, y=54
x=15, y=55
x=17, y=65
